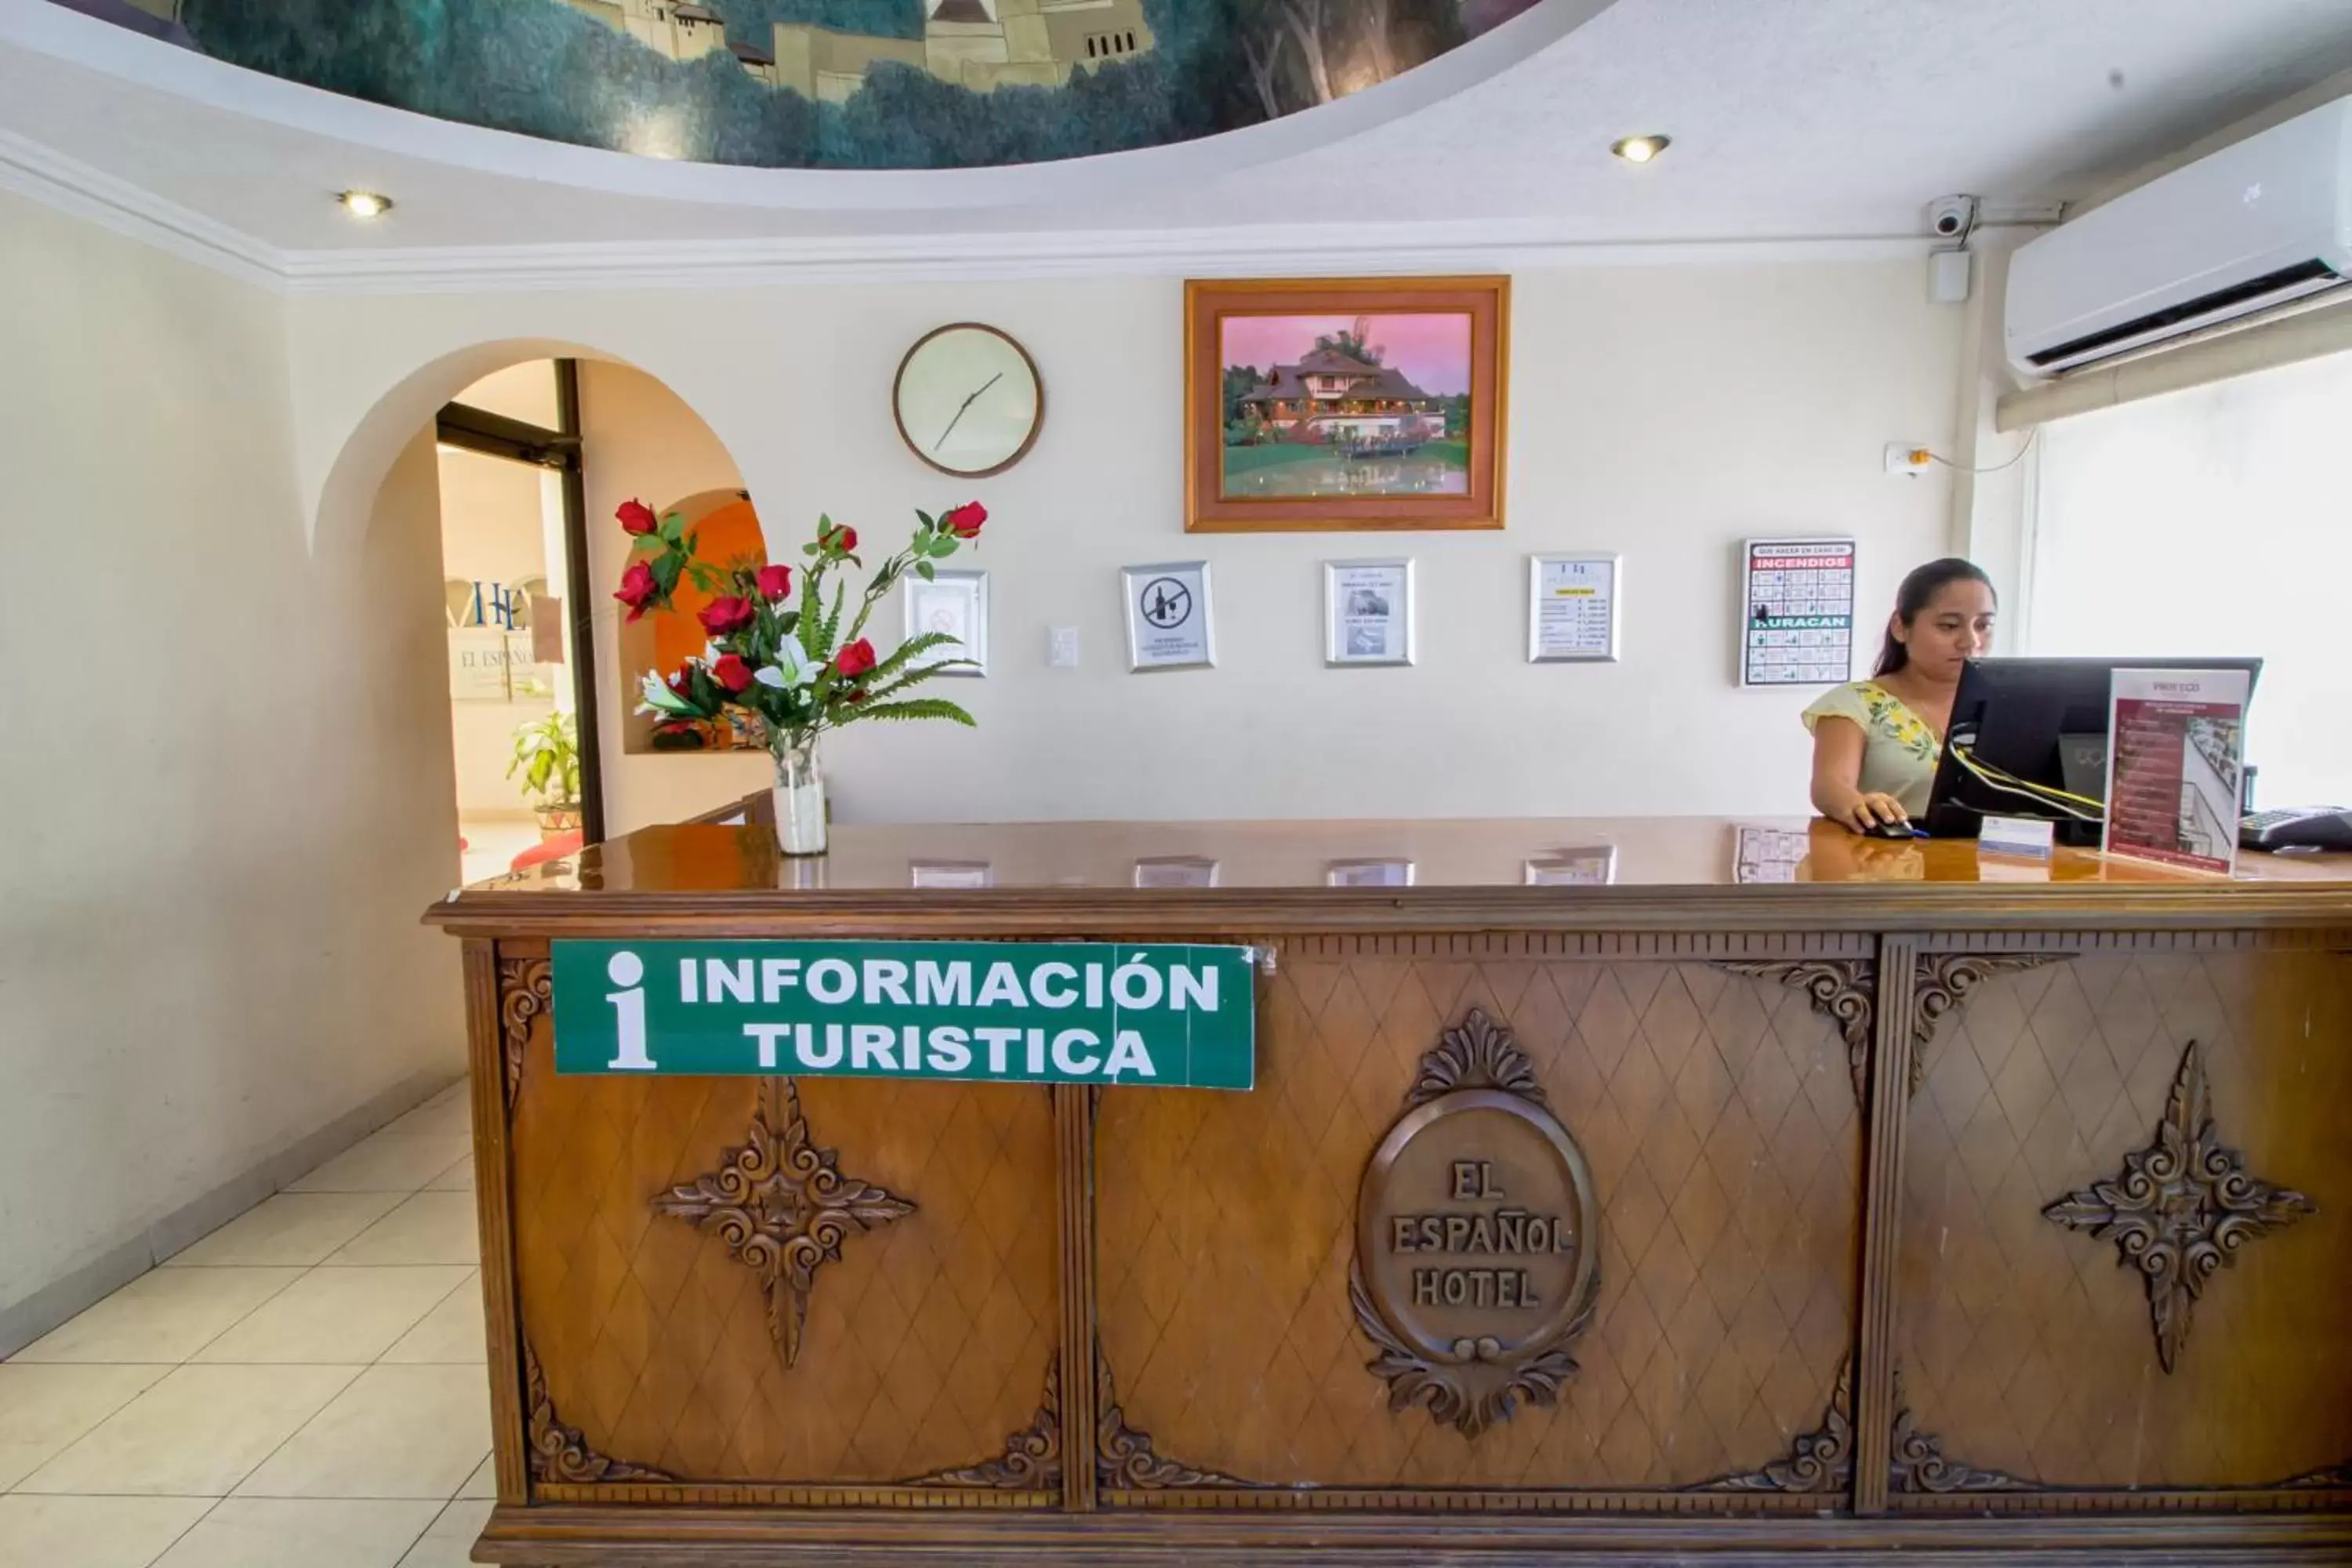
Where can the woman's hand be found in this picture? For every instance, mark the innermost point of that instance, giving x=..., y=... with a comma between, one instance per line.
x=1869, y=808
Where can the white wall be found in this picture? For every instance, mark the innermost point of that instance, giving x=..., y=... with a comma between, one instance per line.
x=1665, y=413
x=639, y=441
x=229, y=798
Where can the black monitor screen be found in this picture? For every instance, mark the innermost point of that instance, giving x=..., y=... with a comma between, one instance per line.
x=2044, y=721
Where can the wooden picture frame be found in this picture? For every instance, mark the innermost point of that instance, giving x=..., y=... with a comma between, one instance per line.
x=1397, y=458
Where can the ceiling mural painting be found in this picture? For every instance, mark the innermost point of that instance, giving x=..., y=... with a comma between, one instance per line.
x=848, y=84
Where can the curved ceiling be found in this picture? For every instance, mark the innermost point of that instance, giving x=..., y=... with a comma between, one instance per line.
x=1830, y=120
x=643, y=141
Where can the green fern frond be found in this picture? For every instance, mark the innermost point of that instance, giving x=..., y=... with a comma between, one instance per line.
x=913, y=648
x=832, y=622
x=915, y=708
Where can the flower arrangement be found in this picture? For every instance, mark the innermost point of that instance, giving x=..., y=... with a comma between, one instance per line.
x=782, y=656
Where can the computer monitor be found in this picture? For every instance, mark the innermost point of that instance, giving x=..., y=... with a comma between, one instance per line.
x=2044, y=721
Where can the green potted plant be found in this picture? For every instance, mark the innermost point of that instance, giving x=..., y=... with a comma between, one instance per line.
x=547, y=755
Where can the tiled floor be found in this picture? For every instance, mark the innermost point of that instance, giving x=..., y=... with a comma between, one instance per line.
x=492, y=843
x=303, y=1388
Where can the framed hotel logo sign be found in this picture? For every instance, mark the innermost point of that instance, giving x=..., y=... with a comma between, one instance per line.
x=1477, y=1239
x=1345, y=404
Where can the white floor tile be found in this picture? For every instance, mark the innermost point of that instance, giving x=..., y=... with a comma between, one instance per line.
x=45, y=1408
x=451, y=1538
x=431, y=1228
x=276, y=1532
x=443, y=1116
x=482, y=1485
x=291, y=1229
x=458, y=1178
x=387, y=1163
x=396, y=1432
x=92, y=1531
x=165, y=1315
x=197, y=1433
x=350, y=1316
x=452, y=1333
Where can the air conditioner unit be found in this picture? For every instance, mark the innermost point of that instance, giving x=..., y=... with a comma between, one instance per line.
x=2252, y=226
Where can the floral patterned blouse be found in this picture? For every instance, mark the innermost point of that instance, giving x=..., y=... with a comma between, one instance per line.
x=1900, y=750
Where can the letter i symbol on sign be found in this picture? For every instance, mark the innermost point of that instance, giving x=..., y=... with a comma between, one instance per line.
x=626, y=970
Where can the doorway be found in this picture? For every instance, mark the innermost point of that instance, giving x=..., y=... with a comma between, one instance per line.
x=523, y=710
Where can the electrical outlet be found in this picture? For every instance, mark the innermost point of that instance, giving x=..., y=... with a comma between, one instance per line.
x=1062, y=648
x=1902, y=458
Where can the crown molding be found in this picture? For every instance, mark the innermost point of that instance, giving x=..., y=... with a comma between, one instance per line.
x=1253, y=251
x=65, y=184
x=43, y=174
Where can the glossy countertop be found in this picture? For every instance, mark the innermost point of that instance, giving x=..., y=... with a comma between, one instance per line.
x=1635, y=872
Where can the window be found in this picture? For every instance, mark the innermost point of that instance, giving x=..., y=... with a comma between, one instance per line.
x=2215, y=520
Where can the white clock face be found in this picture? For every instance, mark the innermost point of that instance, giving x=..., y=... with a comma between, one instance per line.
x=968, y=400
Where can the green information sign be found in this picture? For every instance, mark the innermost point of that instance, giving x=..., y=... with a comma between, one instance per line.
x=1180, y=1017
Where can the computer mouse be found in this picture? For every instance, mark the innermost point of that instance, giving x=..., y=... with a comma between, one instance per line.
x=1892, y=830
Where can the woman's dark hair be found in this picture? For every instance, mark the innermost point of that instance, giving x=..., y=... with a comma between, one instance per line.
x=1918, y=589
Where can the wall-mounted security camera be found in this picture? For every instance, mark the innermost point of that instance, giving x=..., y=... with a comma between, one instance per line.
x=1951, y=217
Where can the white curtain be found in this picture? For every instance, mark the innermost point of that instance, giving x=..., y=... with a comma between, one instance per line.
x=2216, y=521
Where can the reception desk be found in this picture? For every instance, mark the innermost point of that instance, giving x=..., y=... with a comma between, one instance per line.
x=1607, y=1192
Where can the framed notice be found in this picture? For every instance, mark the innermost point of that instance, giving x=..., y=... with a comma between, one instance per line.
x=1175, y=872
x=1170, y=622
x=950, y=874
x=2176, y=765
x=956, y=605
x=1593, y=866
x=1760, y=854
x=1796, y=612
x=1572, y=603
x=1368, y=873
x=1367, y=613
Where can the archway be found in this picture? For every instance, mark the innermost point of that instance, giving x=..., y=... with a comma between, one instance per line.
x=635, y=436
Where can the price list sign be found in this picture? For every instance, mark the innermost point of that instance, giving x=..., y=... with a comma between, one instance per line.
x=1797, y=613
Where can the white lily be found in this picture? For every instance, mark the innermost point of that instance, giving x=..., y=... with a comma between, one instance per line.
x=791, y=670
x=661, y=701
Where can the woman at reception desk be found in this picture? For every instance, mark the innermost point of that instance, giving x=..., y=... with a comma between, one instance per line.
x=1543, y=1190
x=1876, y=741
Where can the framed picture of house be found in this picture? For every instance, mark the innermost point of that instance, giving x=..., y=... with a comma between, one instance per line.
x=1318, y=403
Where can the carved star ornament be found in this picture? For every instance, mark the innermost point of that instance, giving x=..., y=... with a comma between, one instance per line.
x=784, y=1208
x=2181, y=1208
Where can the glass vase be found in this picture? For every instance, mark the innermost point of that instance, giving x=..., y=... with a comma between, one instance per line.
x=799, y=799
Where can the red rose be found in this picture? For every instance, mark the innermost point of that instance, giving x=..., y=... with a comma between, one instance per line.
x=855, y=659
x=845, y=540
x=638, y=589
x=636, y=517
x=964, y=521
x=731, y=672
x=726, y=614
x=775, y=581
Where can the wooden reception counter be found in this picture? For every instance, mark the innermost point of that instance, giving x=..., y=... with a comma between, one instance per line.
x=1592, y=1204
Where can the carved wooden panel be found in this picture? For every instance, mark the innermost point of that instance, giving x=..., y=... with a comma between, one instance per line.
x=923, y=1346
x=2025, y=1348
x=1719, y=1119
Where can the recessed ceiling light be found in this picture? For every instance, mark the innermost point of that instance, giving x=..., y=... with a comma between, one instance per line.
x=1640, y=148
x=364, y=203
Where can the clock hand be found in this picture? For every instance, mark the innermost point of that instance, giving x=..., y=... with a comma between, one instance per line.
x=967, y=402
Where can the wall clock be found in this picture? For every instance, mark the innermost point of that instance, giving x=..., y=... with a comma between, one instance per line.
x=968, y=400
